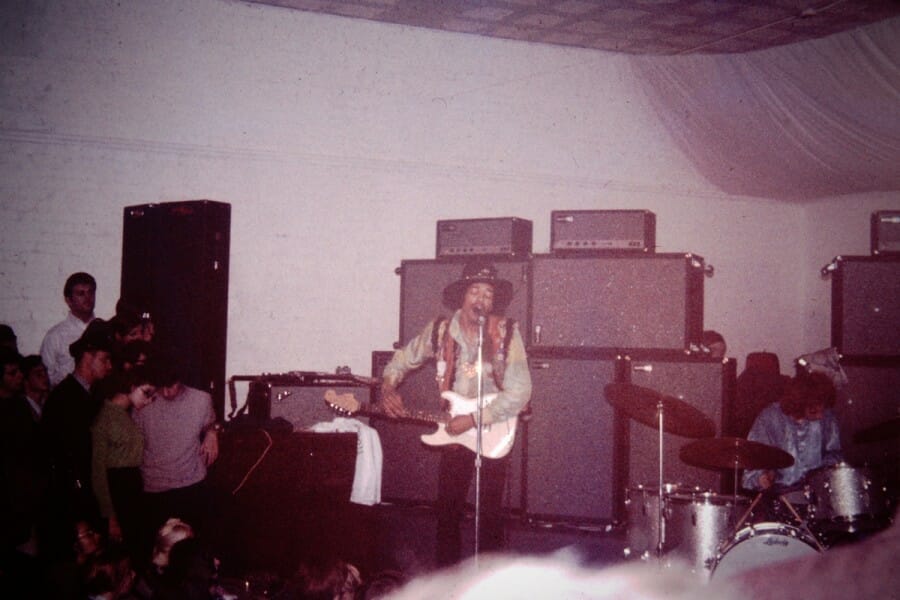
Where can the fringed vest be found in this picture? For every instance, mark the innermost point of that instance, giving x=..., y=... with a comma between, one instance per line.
x=498, y=332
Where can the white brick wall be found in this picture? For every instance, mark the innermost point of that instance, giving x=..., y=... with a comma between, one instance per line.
x=339, y=143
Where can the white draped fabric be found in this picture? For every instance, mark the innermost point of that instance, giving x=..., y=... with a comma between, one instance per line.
x=799, y=122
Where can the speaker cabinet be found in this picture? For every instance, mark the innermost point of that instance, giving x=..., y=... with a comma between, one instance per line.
x=175, y=264
x=295, y=506
x=300, y=397
x=865, y=306
x=410, y=471
x=569, y=469
x=620, y=303
x=870, y=398
x=422, y=284
x=704, y=383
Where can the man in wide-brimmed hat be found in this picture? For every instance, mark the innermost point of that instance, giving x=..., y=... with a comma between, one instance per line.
x=453, y=345
x=66, y=421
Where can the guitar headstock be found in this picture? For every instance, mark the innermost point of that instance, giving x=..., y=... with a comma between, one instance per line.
x=342, y=403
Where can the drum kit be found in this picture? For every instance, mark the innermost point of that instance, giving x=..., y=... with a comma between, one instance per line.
x=717, y=535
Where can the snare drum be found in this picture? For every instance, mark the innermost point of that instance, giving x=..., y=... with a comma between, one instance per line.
x=642, y=510
x=844, y=498
x=699, y=523
x=760, y=545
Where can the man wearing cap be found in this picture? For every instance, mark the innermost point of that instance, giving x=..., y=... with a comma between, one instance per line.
x=453, y=345
x=80, y=293
x=66, y=422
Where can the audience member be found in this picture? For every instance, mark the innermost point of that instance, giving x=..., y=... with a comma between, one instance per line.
x=36, y=384
x=108, y=574
x=328, y=580
x=66, y=573
x=180, y=442
x=152, y=577
x=80, y=295
x=714, y=344
x=133, y=354
x=67, y=417
x=137, y=311
x=118, y=448
x=382, y=585
x=8, y=338
x=23, y=479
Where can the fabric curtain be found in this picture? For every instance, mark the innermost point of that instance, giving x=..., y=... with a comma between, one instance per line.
x=799, y=122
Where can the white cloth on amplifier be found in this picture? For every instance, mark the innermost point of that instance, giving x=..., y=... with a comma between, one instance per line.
x=369, y=458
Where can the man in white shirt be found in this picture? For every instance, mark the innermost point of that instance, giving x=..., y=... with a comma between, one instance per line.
x=80, y=293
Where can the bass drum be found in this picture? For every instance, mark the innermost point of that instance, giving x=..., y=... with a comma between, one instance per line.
x=762, y=544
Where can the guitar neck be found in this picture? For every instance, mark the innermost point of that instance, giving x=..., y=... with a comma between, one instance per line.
x=418, y=416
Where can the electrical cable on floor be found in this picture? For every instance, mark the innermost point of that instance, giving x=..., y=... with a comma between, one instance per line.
x=256, y=464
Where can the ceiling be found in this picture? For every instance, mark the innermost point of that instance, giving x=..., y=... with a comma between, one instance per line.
x=627, y=26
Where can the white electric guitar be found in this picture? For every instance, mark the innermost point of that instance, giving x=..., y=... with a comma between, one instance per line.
x=496, y=438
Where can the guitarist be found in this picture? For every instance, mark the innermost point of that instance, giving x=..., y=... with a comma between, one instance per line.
x=453, y=345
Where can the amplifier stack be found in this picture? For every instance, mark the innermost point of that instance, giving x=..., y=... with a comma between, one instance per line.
x=602, y=307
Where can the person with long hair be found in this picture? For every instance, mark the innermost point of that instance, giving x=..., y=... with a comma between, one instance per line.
x=117, y=451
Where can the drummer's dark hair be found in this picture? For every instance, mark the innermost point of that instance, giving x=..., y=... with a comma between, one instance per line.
x=806, y=390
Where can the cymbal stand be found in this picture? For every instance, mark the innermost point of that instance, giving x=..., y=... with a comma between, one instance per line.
x=800, y=521
x=660, y=523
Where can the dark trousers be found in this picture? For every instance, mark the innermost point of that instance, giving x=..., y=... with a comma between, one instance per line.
x=126, y=489
x=191, y=504
x=454, y=478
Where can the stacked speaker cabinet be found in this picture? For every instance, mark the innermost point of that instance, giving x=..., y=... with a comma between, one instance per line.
x=175, y=265
x=410, y=468
x=865, y=307
x=623, y=303
x=422, y=284
x=570, y=471
x=867, y=411
x=704, y=383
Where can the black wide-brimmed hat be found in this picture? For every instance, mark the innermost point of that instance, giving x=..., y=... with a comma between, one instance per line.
x=478, y=272
x=97, y=336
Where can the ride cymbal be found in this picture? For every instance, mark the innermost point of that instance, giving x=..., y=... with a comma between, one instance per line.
x=732, y=452
x=643, y=405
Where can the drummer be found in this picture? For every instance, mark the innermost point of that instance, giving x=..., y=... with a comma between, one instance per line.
x=802, y=424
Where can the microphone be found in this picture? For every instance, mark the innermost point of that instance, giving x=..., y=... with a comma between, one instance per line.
x=479, y=311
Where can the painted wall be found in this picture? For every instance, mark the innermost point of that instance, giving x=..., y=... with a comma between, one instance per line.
x=339, y=144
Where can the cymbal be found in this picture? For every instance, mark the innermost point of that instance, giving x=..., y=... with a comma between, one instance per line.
x=886, y=430
x=732, y=452
x=642, y=404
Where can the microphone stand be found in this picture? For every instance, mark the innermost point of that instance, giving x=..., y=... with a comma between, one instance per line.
x=479, y=404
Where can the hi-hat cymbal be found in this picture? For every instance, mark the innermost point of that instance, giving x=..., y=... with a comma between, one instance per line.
x=642, y=404
x=732, y=452
x=880, y=432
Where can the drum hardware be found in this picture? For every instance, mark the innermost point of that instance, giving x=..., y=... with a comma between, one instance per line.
x=666, y=414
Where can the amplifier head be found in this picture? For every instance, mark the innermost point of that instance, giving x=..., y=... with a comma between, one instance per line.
x=885, y=238
x=585, y=231
x=501, y=237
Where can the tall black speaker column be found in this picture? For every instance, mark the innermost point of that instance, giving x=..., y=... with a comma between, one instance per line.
x=175, y=264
